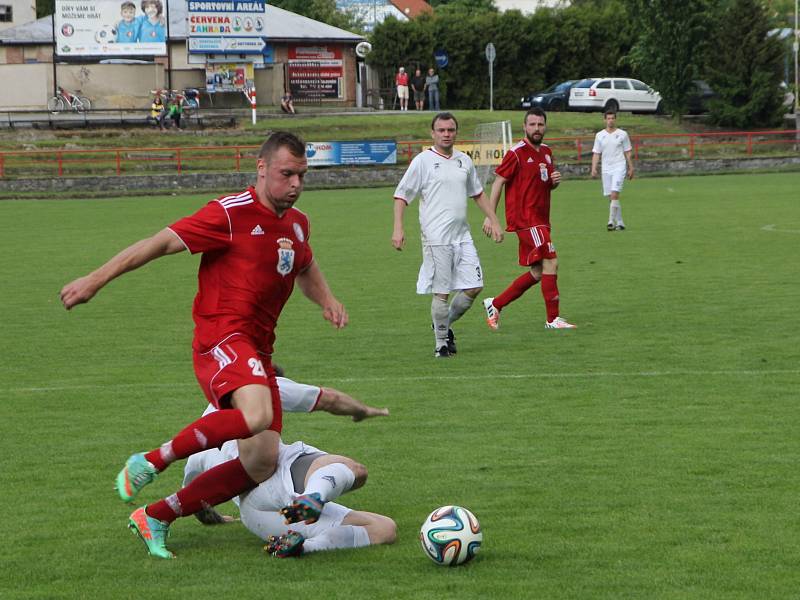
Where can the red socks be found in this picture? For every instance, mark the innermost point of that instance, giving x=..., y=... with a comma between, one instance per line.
x=210, y=431
x=213, y=487
x=550, y=295
x=518, y=287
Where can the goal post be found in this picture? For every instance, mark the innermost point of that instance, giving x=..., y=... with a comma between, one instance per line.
x=491, y=142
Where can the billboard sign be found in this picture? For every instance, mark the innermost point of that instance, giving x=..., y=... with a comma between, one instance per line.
x=110, y=28
x=369, y=152
x=226, y=26
x=228, y=77
x=316, y=71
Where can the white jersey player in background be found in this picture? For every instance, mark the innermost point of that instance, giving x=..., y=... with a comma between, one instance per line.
x=614, y=146
x=303, y=470
x=443, y=178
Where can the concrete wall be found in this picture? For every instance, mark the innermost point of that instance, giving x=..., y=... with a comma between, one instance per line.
x=113, y=86
x=37, y=89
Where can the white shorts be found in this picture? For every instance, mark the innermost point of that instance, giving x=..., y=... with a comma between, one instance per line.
x=448, y=268
x=402, y=91
x=612, y=182
x=259, y=507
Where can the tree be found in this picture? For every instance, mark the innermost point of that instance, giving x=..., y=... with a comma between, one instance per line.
x=746, y=72
x=670, y=46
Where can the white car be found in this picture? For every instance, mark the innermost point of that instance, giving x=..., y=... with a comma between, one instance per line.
x=614, y=93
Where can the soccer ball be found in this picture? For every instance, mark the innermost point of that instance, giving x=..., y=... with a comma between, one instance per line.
x=450, y=536
x=107, y=34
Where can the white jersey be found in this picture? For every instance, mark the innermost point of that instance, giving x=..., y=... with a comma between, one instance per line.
x=443, y=184
x=260, y=506
x=613, y=147
x=295, y=397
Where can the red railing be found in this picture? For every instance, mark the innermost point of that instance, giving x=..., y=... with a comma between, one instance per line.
x=659, y=146
x=142, y=161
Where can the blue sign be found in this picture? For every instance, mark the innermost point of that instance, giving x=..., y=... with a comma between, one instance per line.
x=370, y=152
x=442, y=59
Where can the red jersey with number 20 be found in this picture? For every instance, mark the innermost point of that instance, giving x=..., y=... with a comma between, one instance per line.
x=250, y=259
x=529, y=173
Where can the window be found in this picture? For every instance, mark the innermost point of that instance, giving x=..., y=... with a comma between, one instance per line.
x=6, y=13
x=585, y=83
x=638, y=85
x=621, y=84
x=604, y=85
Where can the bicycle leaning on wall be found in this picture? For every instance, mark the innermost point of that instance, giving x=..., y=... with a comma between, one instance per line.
x=65, y=100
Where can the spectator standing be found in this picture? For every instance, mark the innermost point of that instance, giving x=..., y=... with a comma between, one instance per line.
x=418, y=87
x=401, y=80
x=432, y=86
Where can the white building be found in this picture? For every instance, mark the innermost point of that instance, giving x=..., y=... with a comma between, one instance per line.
x=372, y=12
x=527, y=7
x=16, y=12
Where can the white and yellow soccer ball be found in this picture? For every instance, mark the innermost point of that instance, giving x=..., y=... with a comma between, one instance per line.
x=450, y=536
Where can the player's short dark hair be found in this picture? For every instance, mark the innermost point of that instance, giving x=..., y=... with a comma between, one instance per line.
x=535, y=111
x=609, y=112
x=444, y=116
x=282, y=139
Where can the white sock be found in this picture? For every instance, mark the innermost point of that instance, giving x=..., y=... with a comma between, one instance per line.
x=616, y=213
x=441, y=322
x=458, y=306
x=330, y=481
x=344, y=536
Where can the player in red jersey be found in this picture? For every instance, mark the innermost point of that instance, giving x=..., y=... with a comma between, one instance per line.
x=528, y=173
x=254, y=245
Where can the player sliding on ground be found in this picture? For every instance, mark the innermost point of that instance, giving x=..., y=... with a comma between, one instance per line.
x=254, y=245
x=305, y=478
x=528, y=173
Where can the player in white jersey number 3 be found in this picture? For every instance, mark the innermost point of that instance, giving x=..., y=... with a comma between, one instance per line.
x=443, y=178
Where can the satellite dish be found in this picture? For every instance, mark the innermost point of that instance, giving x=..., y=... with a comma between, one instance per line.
x=362, y=49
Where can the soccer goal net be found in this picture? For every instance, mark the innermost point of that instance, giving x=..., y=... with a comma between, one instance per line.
x=491, y=142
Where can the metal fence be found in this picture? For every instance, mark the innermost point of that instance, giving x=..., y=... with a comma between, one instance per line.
x=572, y=150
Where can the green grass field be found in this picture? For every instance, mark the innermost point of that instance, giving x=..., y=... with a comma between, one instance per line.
x=652, y=453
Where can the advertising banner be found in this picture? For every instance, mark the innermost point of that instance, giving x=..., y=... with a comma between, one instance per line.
x=484, y=155
x=315, y=71
x=226, y=26
x=110, y=28
x=228, y=77
x=368, y=152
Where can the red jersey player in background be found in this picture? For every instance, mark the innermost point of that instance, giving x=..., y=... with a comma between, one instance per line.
x=254, y=245
x=528, y=173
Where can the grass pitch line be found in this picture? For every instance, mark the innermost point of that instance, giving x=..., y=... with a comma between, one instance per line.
x=510, y=376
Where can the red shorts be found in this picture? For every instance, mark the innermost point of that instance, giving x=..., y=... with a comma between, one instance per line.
x=234, y=363
x=534, y=245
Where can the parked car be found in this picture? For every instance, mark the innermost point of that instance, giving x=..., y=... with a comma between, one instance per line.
x=555, y=98
x=699, y=96
x=614, y=93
